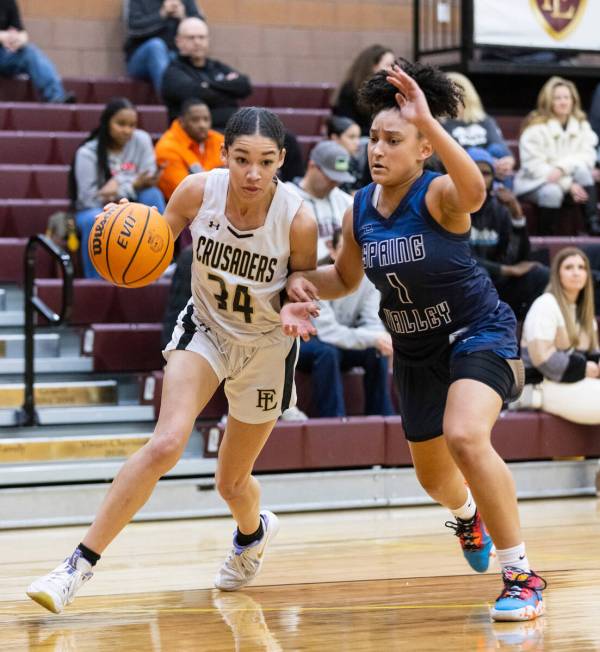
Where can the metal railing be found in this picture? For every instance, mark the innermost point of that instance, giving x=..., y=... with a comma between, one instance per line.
x=27, y=416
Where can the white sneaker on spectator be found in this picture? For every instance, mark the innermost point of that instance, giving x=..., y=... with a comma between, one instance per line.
x=293, y=414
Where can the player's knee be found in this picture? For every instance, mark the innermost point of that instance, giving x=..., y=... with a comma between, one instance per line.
x=433, y=485
x=465, y=440
x=550, y=195
x=230, y=488
x=164, y=452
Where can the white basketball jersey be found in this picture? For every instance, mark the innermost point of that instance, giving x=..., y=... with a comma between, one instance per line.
x=237, y=276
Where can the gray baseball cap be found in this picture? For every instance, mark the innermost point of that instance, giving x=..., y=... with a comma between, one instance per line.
x=333, y=160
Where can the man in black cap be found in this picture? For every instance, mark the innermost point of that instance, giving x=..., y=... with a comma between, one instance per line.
x=327, y=169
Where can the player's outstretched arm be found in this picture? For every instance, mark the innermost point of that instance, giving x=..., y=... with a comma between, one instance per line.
x=331, y=281
x=183, y=205
x=462, y=190
x=185, y=202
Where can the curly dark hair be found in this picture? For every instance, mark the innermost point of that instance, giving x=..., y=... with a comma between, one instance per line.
x=443, y=96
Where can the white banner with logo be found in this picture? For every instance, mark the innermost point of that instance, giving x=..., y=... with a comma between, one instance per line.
x=544, y=24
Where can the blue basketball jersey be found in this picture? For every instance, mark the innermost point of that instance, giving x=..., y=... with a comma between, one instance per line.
x=431, y=286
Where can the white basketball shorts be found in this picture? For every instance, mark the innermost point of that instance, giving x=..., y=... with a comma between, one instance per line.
x=259, y=380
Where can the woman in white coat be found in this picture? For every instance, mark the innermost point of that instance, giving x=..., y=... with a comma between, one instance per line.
x=558, y=153
x=559, y=343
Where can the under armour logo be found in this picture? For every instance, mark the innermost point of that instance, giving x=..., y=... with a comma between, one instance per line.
x=214, y=225
x=266, y=399
x=204, y=327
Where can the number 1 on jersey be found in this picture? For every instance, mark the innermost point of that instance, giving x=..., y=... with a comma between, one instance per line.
x=396, y=283
x=242, y=301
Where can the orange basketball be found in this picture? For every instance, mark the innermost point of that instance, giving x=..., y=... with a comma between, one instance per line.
x=131, y=246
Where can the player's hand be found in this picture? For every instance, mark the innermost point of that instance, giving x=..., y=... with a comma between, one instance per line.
x=410, y=97
x=578, y=193
x=591, y=370
x=504, y=166
x=554, y=175
x=107, y=208
x=298, y=288
x=384, y=344
x=295, y=319
x=519, y=269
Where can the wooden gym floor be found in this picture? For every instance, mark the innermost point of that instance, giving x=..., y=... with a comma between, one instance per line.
x=370, y=580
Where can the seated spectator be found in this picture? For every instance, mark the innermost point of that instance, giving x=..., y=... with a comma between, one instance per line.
x=558, y=154
x=350, y=334
x=366, y=63
x=20, y=57
x=559, y=344
x=194, y=75
x=474, y=128
x=188, y=146
x=116, y=160
x=151, y=28
x=346, y=133
x=500, y=243
x=319, y=187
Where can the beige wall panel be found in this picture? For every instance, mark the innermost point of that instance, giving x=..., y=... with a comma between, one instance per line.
x=271, y=40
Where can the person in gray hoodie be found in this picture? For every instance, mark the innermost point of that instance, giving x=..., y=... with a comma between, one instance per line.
x=115, y=161
x=350, y=335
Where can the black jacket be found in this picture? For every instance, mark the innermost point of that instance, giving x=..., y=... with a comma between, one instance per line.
x=145, y=22
x=183, y=81
x=495, y=240
x=347, y=105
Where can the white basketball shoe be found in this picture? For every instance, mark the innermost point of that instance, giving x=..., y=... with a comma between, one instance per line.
x=244, y=562
x=57, y=589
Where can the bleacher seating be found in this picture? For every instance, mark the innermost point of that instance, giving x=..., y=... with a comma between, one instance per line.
x=20, y=218
x=12, y=252
x=96, y=301
x=370, y=441
x=124, y=347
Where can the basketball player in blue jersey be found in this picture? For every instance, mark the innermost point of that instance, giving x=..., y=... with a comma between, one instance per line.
x=455, y=349
x=248, y=231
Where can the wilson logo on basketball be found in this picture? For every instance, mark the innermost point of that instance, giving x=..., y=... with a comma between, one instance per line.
x=125, y=232
x=99, y=227
x=155, y=242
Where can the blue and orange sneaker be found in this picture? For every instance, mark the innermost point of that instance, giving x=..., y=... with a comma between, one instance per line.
x=475, y=541
x=521, y=598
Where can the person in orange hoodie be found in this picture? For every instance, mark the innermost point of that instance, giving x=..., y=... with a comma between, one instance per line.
x=188, y=146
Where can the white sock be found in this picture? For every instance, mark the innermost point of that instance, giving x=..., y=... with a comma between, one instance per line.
x=467, y=511
x=516, y=557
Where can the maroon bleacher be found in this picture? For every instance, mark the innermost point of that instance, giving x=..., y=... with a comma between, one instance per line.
x=102, y=89
x=12, y=252
x=33, y=181
x=510, y=125
x=298, y=94
x=20, y=218
x=96, y=301
x=24, y=147
x=555, y=243
x=303, y=122
x=125, y=347
x=380, y=441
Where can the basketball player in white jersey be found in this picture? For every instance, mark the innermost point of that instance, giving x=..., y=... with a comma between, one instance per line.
x=248, y=232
